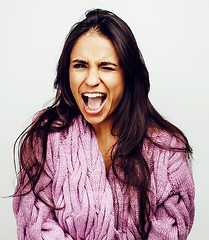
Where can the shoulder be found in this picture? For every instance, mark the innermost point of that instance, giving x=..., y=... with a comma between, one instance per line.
x=75, y=129
x=164, y=149
x=164, y=139
x=63, y=139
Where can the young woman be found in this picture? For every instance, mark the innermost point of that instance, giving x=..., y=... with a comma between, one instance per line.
x=101, y=163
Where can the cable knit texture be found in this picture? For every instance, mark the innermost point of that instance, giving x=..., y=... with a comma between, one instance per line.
x=94, y=206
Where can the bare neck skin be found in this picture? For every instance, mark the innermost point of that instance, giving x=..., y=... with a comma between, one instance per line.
x=105, y=142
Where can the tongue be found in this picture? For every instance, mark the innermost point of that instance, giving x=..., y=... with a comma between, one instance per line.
x=94, y=103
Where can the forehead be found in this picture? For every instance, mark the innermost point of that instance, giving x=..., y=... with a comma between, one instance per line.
x=94, y=46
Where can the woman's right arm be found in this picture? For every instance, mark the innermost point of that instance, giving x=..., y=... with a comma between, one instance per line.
x=35, y=220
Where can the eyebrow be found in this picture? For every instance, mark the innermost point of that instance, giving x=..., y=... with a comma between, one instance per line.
x=103, y=63
x=107, y=63
x=80, y=61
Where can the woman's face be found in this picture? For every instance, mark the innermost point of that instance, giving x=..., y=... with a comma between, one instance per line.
x=96, y=78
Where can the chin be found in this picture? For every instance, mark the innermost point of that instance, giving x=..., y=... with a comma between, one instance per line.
x=94, y=120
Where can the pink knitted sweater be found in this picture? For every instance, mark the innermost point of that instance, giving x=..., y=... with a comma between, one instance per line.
x=94, y=206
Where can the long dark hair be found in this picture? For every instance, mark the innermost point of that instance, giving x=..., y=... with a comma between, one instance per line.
x=133, y=116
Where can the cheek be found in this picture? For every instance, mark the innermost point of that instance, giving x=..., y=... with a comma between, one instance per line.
x=117, y=91
x=119, y=94
x=73, y=83
x=74, y=90
x=119, y=86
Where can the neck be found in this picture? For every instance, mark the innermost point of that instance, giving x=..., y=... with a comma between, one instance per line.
x=104, y=129
x=106, y=142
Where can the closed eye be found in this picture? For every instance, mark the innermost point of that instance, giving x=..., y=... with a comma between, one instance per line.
x=108, y=68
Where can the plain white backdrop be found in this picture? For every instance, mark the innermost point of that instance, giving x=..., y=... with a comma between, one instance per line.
x=173, y=36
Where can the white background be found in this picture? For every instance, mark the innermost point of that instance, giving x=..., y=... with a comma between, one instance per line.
x=174, y=39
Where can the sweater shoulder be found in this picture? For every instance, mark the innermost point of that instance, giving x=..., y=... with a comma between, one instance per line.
x=164, y=139
x=164, y=150
x=74, y=130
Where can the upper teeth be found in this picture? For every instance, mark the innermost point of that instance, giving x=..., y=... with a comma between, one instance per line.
x=93, y=95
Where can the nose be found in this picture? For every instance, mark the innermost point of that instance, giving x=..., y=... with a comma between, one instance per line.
x=92, y=78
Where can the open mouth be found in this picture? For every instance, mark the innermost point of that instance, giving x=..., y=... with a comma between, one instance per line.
x=93, y=101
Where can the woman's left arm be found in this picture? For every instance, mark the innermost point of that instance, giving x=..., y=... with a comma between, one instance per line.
x=173, y=215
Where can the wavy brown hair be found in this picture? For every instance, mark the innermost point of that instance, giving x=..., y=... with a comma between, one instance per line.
x=133, y=116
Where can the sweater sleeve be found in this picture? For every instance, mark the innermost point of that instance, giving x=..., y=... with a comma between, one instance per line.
x=35, y=220
x=172, y=181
